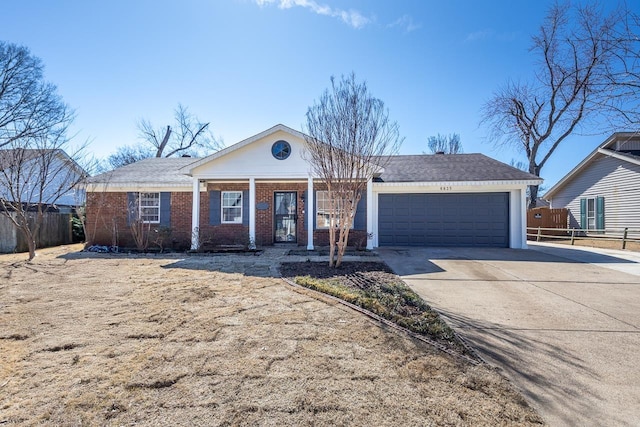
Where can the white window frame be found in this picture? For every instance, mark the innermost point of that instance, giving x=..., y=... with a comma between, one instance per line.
x=237, y=219
x=592, y=219
x=146, y=211
x=323, y=196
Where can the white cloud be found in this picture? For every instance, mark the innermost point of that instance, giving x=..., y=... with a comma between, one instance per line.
x=351, y=17
x=406, y=23
x=478, y=35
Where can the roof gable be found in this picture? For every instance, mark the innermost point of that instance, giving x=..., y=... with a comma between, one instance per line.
x=611, y=147
x=253, y=158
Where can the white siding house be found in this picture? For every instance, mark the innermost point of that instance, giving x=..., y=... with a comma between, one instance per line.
x=603, y=191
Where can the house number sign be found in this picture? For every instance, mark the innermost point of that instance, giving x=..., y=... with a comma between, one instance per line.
x=446, y=188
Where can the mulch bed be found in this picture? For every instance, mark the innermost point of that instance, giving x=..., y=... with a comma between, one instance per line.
x=360, y=275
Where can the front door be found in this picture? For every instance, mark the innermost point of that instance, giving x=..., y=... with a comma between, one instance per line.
x=285, y=216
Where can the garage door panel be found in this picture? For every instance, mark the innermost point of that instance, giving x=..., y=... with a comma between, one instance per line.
x=465, y=219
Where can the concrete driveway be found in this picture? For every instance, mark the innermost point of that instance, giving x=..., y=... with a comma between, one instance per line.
x=562, y=326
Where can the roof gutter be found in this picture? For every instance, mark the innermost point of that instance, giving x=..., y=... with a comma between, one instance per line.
x=618, y=156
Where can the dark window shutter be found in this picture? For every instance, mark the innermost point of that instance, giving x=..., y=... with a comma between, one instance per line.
x=165, y=209
x=583, y=214
x=214, y=208
x=245, y=207
x=132, y=207
x=600, y=213
x=360, y=219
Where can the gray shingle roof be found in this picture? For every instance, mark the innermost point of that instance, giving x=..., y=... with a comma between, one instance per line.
x=153, y=171
x=450, y=168
x=413, y=168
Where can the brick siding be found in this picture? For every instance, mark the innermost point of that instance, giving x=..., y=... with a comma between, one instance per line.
x=107, y=219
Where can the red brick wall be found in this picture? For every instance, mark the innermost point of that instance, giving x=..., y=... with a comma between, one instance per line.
x=222, y=234
x=107, y=219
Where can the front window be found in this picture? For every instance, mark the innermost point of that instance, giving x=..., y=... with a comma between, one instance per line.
x=323, y=209
x=591, y=214
x=232, y=207
x=149, y=207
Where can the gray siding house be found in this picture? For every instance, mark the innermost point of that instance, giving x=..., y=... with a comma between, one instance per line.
x=603, y=191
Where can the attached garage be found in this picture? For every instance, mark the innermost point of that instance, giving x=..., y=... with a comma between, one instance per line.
x=449, y=219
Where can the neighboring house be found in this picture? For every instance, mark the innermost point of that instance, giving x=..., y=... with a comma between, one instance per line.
x=261, y=191
x=21, y=178
x=603, y=191
x=31, y=177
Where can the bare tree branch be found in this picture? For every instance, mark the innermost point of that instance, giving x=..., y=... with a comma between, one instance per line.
x=446, y=144
x=349, y=137
x=578, y=47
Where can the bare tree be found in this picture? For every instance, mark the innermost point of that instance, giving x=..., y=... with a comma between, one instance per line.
x=35, y=170
x=128, y=154
x=446, y=144
x=624, y=74
x=33, y=180
x=30, y=108
x=349, y=137
x=188, y=136
x=576, y=48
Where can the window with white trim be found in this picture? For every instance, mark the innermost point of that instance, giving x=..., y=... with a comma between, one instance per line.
x=149, y=207
x=323, y=209
x=231, y=207
x=591, y=214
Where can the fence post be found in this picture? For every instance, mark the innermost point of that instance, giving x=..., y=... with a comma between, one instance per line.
x=624, y=238
x=538, y=238
x=573, y=235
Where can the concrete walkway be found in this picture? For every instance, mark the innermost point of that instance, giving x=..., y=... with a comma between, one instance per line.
x=562, y=323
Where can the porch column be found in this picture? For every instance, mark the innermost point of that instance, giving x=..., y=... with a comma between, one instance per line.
x=370, y=214
x=309, y=211
x=195, y=216
x=252, y=213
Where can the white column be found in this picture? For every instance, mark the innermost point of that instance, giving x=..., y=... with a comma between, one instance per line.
x=309, y=213
x=252, y=213
x=518, y=219
x=195, y=216
x=370, y=214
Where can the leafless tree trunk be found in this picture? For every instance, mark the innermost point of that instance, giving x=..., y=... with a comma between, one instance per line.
x=349, y=137
x=576, y=48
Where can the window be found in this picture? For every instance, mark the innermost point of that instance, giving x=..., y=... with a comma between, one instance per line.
x=149, y=207
x=323, y=208
x=591, y=214
x=232, y=207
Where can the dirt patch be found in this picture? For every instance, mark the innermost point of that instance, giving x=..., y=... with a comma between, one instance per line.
x=163, y=341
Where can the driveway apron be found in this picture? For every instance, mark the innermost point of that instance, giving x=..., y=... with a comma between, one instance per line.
x=565, y=331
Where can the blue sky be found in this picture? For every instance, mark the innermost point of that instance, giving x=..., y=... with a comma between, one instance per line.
x=246, y=65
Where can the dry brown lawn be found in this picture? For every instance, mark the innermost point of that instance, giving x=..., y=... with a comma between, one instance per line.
x=90, y=339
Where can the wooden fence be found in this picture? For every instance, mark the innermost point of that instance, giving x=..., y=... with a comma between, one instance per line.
x=56, y=229
x=622, y=235
x=549, y=219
